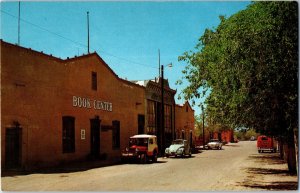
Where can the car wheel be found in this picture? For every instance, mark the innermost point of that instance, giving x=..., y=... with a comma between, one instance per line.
x=123, y=160
x=154, y=158
x=143, y=159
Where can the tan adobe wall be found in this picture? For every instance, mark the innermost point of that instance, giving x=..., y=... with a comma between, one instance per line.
x=37, y=90
x=184, y=120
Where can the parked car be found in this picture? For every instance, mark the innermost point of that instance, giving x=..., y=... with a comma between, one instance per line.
x=214, y=144
x=179, y=147
x=265, y=143
x=141, y=148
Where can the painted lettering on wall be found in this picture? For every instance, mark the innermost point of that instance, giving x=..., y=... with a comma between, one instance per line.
x=88, y=103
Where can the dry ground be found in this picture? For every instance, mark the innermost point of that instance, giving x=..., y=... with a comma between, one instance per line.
x=237, y=167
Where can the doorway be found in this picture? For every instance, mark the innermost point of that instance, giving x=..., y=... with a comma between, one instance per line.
x=13, y=148
x=95, y=136
x=141, y=124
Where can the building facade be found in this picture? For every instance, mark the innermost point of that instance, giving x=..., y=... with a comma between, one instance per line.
x=55, y=111
x=225, y=136
x=185, y=122
x=153, y=106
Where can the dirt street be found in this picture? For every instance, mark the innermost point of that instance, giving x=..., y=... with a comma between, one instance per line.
x=238, y=167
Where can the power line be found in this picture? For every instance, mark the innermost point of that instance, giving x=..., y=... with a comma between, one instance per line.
x=37, y=26
x=75, y=42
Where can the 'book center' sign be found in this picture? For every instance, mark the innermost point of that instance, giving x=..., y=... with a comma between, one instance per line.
x=88, y=103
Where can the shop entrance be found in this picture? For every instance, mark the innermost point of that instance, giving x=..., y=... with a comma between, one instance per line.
x=95, y=137
x=13, y=148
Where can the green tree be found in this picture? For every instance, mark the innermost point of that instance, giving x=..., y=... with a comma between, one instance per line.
x=249, y=64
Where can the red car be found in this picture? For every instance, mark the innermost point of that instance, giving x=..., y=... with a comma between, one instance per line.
x=265, y=143
x=141, y=147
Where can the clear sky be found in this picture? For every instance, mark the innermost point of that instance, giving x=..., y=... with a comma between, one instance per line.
x=127, y=35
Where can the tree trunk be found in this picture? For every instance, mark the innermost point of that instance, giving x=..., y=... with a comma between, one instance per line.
x=281, y=151
x=291, y=155
x=296, y=147
x=292, y=160
x=285, y=152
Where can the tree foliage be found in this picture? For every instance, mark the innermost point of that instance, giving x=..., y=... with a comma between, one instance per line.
x=249, y=63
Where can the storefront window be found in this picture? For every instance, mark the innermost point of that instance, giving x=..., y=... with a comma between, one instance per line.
x=151, y=129
x=168, y=119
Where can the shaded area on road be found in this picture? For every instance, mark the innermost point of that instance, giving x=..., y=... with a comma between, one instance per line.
x=269, y=158
x=77, y=166
x=269, y=173
x=289, y=185
x=70, y=167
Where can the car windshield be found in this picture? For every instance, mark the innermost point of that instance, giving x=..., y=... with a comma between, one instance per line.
x=176, y=142
x=138, y=141
x=214, y=140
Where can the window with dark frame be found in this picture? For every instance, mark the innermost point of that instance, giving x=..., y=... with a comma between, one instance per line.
x=151, y=116
x=94, y=80
x=168, y=119
x=68, y=135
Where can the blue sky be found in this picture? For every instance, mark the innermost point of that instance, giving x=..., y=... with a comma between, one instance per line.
x=127, y=35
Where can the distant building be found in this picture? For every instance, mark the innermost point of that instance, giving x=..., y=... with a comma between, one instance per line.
x=224, y=136
x=179, y=119
x=56, y=111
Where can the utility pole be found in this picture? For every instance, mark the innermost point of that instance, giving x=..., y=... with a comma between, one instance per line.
x=203, y=127
x=158, y=63
x=88, y=30
x=19, y=23
x=162, y=112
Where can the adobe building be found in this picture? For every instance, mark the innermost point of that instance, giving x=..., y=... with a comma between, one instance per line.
x=224, y=136
x=185, y=122
x=153, y=105
x=57, y=111
x=179, y=120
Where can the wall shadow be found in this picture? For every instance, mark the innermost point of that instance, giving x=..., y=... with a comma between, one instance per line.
x=61, y=168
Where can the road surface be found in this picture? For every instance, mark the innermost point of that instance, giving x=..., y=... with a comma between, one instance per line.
x=237, y=167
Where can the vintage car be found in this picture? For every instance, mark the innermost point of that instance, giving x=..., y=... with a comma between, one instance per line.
x=141, y=148
x=179, y=147
x=214, y=144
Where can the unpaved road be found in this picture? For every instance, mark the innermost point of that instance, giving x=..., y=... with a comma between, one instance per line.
x=238, y=167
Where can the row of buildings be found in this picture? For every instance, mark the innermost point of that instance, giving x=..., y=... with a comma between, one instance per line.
x=56, y=111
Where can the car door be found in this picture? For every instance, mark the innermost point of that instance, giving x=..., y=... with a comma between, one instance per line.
x=186, y=150
x=151, y=145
